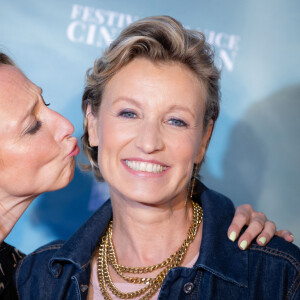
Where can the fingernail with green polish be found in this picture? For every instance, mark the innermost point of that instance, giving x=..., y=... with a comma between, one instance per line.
x=244, y=244
x=232, y=236
x=263, y=240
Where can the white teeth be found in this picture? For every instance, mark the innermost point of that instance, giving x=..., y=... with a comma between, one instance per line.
x=149, y=168
x=144, y=167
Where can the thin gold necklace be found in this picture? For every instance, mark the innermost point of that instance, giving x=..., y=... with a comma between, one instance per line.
x=107, y=256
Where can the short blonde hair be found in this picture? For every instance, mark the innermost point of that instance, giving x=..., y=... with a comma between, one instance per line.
x=160, y=39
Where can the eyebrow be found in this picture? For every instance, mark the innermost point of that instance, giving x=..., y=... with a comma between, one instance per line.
x=127, y=99
x=179, y=107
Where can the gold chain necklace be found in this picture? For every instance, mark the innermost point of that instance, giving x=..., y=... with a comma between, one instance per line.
x=107, y=256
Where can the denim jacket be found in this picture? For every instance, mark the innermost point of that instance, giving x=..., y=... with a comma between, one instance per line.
x=61, y=270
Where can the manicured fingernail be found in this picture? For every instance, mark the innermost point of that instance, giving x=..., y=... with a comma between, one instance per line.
x=292, y=236
x=263, y=240
x=244, y=244
x=232, y=236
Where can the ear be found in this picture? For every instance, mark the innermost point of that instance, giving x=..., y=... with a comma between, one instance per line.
x=92, y=125
x=205, y=142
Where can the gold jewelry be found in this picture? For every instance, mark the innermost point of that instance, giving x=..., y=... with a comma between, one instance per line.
x=193, y=180
x=107, y=256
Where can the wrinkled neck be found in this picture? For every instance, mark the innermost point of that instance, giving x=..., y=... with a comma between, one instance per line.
x=11, y=209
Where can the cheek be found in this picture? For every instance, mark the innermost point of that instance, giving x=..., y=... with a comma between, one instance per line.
x=107, y=141
x=113, y=136
x=43, y=153
x=184, y=146
x=183, y=150
x=31, y=158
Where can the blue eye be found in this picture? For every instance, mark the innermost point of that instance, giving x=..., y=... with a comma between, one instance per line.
x=177, y=122
x=127, y=114
x=36, y=128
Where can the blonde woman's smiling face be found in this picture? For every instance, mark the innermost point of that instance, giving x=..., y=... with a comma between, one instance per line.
x=149, y=131
x=37, y=150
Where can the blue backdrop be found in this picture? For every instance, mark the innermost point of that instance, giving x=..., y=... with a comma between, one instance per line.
x=254, y=153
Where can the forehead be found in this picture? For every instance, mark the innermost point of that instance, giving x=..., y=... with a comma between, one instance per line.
x=16, y=90
x=145, y=80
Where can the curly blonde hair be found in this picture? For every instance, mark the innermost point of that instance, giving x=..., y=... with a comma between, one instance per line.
x=160, y=39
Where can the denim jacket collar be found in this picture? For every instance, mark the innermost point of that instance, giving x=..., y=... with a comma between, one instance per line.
x=87, y=238
x=218, y=254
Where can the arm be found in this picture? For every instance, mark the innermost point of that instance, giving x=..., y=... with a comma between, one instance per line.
x=259, y=227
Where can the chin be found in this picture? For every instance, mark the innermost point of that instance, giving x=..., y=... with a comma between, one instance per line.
x=146, y=198
x=69, y=178
x=64, y=179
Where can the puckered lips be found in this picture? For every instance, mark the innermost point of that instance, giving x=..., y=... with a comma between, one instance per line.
x=75, y=148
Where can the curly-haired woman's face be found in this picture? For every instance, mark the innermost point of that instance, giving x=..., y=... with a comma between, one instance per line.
x=37, y=150
x=149, y=131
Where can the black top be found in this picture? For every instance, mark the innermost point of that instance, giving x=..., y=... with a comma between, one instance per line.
x=9, y=257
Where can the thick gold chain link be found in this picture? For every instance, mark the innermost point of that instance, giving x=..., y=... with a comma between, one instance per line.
x=107, y=256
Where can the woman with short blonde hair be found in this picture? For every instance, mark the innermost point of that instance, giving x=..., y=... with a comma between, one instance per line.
x=150, y=105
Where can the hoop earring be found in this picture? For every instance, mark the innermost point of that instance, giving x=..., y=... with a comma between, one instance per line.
x=193, y=180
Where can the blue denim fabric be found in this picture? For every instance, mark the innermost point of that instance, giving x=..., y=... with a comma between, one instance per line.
x=61, y=270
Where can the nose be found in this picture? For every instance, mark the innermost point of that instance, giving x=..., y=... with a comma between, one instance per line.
x=62, y=127
x=149, y=138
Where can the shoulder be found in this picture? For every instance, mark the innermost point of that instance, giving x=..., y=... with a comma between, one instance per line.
x=277, y=247
x=57, y=262
x=220, y=210
x=46, y=250
x=52, y=246
x=278, y=251
x=273, y=269
x=277, y=267
x=38, y=257
x=36, y=275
